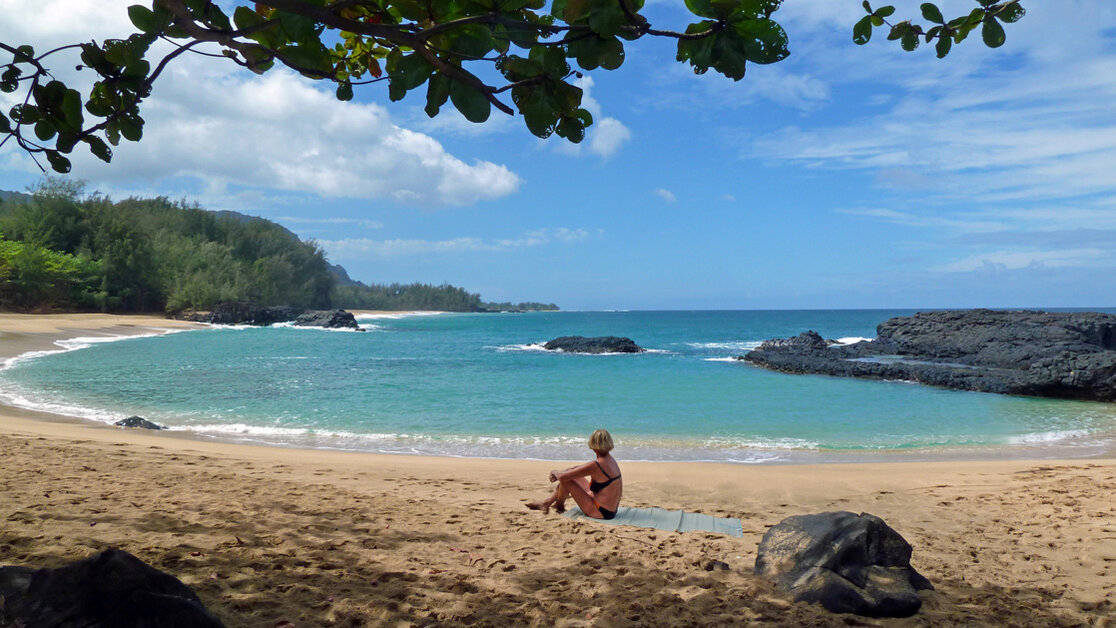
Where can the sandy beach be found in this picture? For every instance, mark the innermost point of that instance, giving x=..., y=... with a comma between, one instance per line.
x=269, y=535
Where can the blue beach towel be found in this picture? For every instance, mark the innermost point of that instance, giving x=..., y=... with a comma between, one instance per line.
x=669, y=520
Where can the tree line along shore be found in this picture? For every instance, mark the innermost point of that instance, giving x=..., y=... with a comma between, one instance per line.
x=62, y=250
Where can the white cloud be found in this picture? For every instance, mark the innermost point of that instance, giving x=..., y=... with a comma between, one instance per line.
x=365, y=248
x=216, y=124
x=666, y=195
x=1029, y=122
x=605, y=136
x=359, y=222
x=1014, y=260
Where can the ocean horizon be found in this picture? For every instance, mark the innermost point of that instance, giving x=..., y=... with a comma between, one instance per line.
x=480, y=385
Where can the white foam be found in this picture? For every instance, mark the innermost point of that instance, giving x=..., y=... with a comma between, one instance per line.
x=736, y=345
x=722, y=360
x=534, y=347
x=852, y=340
x=1043, y=438
x=82, y=342
x=395, y=315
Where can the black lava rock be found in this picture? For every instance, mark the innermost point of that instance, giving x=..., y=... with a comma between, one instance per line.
x=601, y=344
x=847, y=563
x=1043, y=354
x=138, y=421
x=112, y=588
x=331, y=319
x=242, y=313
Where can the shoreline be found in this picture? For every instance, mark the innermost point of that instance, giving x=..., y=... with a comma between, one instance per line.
x=315, y=537
x=23, y=335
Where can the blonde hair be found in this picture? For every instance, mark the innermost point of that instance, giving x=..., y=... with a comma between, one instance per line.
x=601, y=441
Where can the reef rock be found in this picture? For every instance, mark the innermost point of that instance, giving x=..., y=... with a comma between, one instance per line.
x=847, y=563
x=138, y=421
x=112, y=588
x=331, y=319
x=600, y=344
x=1043, y=354
x=243, y=313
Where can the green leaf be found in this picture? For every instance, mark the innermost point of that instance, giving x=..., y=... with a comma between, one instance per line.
x=862, y=30
x=24, y=54
x=1011, y=13
x=704, y=8
x=931, y=12
x=909, y=41
x=885, y=11
x=143, y=18
x=610, y=54
x=25, y=114
x=760, y=41
x=5, y=124
x=867, y=7
x=470, y=102
x=606, y=19
x=71, y=109
x=437, y=92
x=130, y=127
x=943, y=46
x=301, y=29
x=98, y=147
x=993, y=33
x=59, y=163
x=44, y=130
x=312, y=60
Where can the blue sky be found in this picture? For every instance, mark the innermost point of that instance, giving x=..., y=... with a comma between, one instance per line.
x=842, y=177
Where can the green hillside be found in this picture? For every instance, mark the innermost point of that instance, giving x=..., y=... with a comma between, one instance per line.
x=63, y=250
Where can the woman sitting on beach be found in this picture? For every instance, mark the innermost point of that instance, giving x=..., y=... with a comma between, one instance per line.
x=595, y=486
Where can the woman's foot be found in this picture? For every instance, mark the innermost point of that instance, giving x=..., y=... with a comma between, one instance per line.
x=543, y=505
x=560, y=507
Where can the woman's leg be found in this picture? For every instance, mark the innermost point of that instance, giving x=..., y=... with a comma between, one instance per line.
x=545, y=504
x=578, y=489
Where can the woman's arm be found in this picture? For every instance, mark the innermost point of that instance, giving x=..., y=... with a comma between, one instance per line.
x=579, y=471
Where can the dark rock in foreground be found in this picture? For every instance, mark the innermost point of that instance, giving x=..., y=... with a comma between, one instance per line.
x=600, y=344
x=1043, y=354
x=848, y=563
x=140, y=422
x=331, y=319
x=112, y=588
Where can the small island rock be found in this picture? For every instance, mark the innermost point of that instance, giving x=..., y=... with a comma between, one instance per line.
x=847, y=563
x=600, y=344
x=330, y=319
x=138, y=421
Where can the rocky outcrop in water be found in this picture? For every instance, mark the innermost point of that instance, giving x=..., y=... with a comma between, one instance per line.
x=140, y=422
x=846, y=562
x=599, y=344
x=112, y=588
x=330, y=319
x=1043, y=354
x=241, y=313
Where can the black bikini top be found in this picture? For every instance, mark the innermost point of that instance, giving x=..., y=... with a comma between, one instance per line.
x=597, y=486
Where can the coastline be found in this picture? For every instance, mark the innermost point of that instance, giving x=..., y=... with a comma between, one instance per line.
x=376, y=538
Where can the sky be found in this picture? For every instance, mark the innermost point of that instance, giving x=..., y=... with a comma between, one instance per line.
x=843, y=177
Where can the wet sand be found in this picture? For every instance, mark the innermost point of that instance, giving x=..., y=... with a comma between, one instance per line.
x=267, y=535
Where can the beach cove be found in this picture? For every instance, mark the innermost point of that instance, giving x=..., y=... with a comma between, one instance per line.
x=316, y=537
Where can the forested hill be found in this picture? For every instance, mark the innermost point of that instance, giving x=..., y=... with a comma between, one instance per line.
x=60, y=250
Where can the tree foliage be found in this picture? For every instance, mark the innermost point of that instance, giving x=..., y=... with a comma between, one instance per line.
x=512, y=55
x=61, y=251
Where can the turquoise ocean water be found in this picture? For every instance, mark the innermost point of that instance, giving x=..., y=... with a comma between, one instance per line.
x=471, y=385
